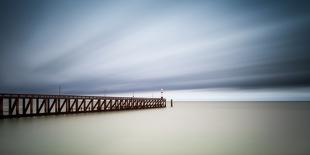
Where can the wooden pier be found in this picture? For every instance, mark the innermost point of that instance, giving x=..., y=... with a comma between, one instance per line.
x=24, y=105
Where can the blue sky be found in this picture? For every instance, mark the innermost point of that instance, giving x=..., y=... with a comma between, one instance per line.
x=229, y=48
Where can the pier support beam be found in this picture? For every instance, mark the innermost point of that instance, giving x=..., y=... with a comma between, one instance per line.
x=37, y=106
x=13, y=107
x=30, y=102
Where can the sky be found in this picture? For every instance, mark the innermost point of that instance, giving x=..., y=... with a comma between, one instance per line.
x=194, y=50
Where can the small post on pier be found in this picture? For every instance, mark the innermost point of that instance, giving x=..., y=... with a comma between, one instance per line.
x=171, y=103
x=1, y=107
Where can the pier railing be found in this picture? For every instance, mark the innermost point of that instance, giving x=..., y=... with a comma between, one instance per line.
x=23, y=105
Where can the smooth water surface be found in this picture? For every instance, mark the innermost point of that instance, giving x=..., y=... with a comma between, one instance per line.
x=189, y=128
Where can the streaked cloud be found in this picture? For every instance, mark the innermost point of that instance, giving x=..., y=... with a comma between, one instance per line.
x=96, y=47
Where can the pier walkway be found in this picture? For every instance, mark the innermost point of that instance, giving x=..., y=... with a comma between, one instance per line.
x=23, y=105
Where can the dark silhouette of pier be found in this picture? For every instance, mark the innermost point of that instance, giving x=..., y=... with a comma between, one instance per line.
x=24, y=105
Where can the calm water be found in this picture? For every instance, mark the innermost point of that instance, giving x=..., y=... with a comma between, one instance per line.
x=215, y=128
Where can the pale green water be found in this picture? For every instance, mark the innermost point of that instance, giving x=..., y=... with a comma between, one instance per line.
x=189, y=128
